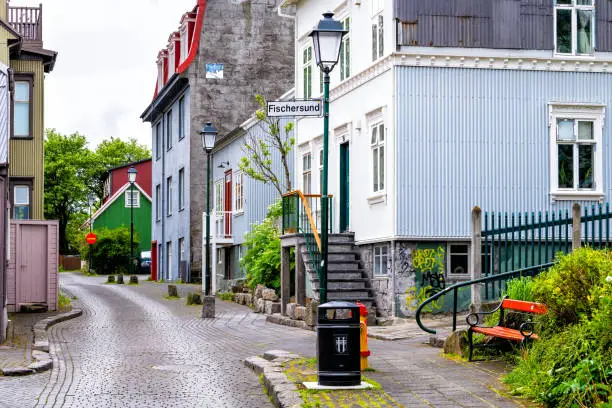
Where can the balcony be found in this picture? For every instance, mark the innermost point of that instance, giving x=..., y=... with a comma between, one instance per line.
x=27, y=21
x=222, y=228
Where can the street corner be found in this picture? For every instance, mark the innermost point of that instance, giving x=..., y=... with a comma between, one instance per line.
x=284, y=377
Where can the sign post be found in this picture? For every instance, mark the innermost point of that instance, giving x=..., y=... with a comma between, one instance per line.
x=310, y=107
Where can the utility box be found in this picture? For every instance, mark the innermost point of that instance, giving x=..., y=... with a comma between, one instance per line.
x=338, y=344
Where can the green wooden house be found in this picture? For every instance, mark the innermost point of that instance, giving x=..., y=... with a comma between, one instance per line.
x=115, y=212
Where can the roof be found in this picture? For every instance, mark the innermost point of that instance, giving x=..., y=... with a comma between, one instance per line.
x=114, y=198
x=130, y=164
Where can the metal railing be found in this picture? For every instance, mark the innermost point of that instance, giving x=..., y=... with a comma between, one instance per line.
x=27, y=21
x=298, y=219
x=533, y=271
x=222, y=224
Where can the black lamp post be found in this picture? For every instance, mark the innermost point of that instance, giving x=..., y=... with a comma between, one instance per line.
x=209, y=136
x=132, y=179
x=90, y=200
x=326, y=39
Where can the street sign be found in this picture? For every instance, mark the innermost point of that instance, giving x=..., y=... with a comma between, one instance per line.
x=91, y=238
x=312, y=107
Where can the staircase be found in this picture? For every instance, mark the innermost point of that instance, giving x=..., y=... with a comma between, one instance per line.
x=346, y=279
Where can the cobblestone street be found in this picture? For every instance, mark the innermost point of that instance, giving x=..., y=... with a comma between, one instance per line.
x=132, y=347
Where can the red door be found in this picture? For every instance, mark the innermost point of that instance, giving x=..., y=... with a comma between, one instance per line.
x=154, y=261
x=228, y=203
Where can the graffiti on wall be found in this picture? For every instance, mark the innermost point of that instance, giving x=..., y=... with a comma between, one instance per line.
x=429, y=264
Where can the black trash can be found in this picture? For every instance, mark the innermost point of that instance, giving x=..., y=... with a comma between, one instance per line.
x=338, y=344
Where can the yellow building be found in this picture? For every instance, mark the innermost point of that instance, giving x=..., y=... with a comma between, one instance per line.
x=21, y=49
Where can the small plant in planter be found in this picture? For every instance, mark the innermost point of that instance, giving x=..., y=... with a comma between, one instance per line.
x=120, y=279
x=133, y=280
x=110, y=279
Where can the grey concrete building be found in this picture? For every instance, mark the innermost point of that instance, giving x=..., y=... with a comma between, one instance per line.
x=224, y=53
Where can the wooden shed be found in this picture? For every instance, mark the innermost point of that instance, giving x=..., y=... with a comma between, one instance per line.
x=32, y=275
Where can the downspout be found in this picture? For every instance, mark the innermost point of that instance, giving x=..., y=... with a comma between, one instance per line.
x=394, y=174
x=393, y=281
x=164, y=187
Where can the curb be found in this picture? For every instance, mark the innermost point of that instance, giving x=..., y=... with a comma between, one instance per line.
x=277, y=318
x=282, y=391
x=40, y=350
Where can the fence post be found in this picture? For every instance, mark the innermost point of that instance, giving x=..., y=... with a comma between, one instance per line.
x=576, y=227
x=476, y=250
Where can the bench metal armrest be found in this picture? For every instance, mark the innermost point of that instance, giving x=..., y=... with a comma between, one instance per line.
x=477, y=316
x=527, y=329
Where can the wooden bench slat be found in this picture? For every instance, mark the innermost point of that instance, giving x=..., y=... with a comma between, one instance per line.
x=520, y=305
x=502, y=332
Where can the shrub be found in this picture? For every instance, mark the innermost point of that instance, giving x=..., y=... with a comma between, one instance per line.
x=111, y=253
x=571, y=366
x=520, y=289
x=262, y=258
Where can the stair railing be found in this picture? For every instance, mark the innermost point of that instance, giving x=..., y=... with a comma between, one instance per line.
x=298, y=218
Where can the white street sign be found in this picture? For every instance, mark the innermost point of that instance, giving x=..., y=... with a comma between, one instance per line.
x=313, y=107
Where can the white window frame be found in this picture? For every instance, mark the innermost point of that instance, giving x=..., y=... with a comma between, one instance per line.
x=181, y=118
x=168, y=122
x=158, y=202
x=25, y=203
x=449, y=253
x=375, y=146
x=307, y=173
x=377, y=253
x=184, y=49
x=132, y=195
x=378, y=46
x=160, y=74
x=238, y=192
x=169, y=196
x=307, y=64
x=171, y=59
x=181, y=189
x=345, y=50
x=580, y=112
x=27, y=102
x=219, y=196
x=574, y=7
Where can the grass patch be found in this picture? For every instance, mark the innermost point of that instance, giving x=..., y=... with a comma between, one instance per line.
x=168, y=297
x=305, y=370
x=228, y=296
x=63, y=302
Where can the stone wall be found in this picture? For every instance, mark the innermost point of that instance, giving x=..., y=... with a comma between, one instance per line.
x=255, y=46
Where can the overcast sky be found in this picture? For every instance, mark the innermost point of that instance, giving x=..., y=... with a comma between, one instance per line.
x=105, y=73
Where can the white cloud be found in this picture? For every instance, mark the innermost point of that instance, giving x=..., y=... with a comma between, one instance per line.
x=105, y=73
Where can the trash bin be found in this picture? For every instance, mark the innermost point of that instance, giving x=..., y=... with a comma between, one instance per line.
x=338, y=344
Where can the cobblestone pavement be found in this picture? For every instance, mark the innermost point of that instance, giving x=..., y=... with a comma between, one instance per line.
x=132, y=347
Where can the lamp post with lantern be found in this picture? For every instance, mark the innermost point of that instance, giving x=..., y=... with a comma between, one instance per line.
x=326, y=39
x=209, y=136
x=90, y=201
x=132, y=179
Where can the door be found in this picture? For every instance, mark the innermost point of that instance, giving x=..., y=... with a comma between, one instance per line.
x=228, y=204
x=344, y=187
x=169, y=260
x=32, y=264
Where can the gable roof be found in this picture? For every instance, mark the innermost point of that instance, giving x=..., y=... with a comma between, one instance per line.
x=112, y=199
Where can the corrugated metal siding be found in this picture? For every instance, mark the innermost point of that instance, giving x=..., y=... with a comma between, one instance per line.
x=26, y=156
x=469, y=137
x=513, y=24
x=4, y=50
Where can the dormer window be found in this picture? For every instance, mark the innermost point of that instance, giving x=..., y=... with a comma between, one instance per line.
x=184, y=43
x=171, y=56
x=574, y=27
x=160, y=74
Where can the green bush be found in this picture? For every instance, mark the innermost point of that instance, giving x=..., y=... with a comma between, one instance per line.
x=262, y=257
x=571, y=364
x=111, y=252
x=520, y=288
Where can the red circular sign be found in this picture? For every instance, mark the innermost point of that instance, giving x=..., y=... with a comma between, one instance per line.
x=91, y=238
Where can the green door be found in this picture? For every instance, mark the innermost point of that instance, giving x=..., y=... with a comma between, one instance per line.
x=344, y=187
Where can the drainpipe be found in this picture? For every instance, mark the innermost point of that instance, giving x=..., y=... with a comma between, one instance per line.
x=393, y=282
x=164, y=193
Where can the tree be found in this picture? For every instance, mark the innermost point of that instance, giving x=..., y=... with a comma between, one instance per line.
x=67, y=163
x=112, y=153
x=258, y=162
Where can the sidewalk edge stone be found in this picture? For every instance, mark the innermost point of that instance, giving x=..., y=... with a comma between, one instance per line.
x=282, y=390
x=40, y=349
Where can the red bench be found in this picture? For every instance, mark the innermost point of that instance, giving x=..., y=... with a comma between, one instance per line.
x=523, y=334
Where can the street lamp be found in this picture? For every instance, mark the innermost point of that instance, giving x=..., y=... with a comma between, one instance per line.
x=90, y=200
x=326, y=39
x=132, y=179
x=209, y=136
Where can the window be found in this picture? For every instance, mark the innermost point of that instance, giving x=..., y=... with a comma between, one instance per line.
x=160, y=74
x=21, y=202
x=576, y=151
x=169, y=259
x=169, y=130
x=219, y=196
x=345, y=51
x=219, y=258
x=378, y=156
x=22, y=107
x=574, y=27
x=132, y=198
x=306, y=173
x=458, y=260
x=181, y=118
x=169, y=195
x=307, y=72
x=157, y=202
x=181, y=244
x=184, y=43
x=181, y=189
x=239, y=192
x=378, y=47
x=381, y=259
x=158, y=140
